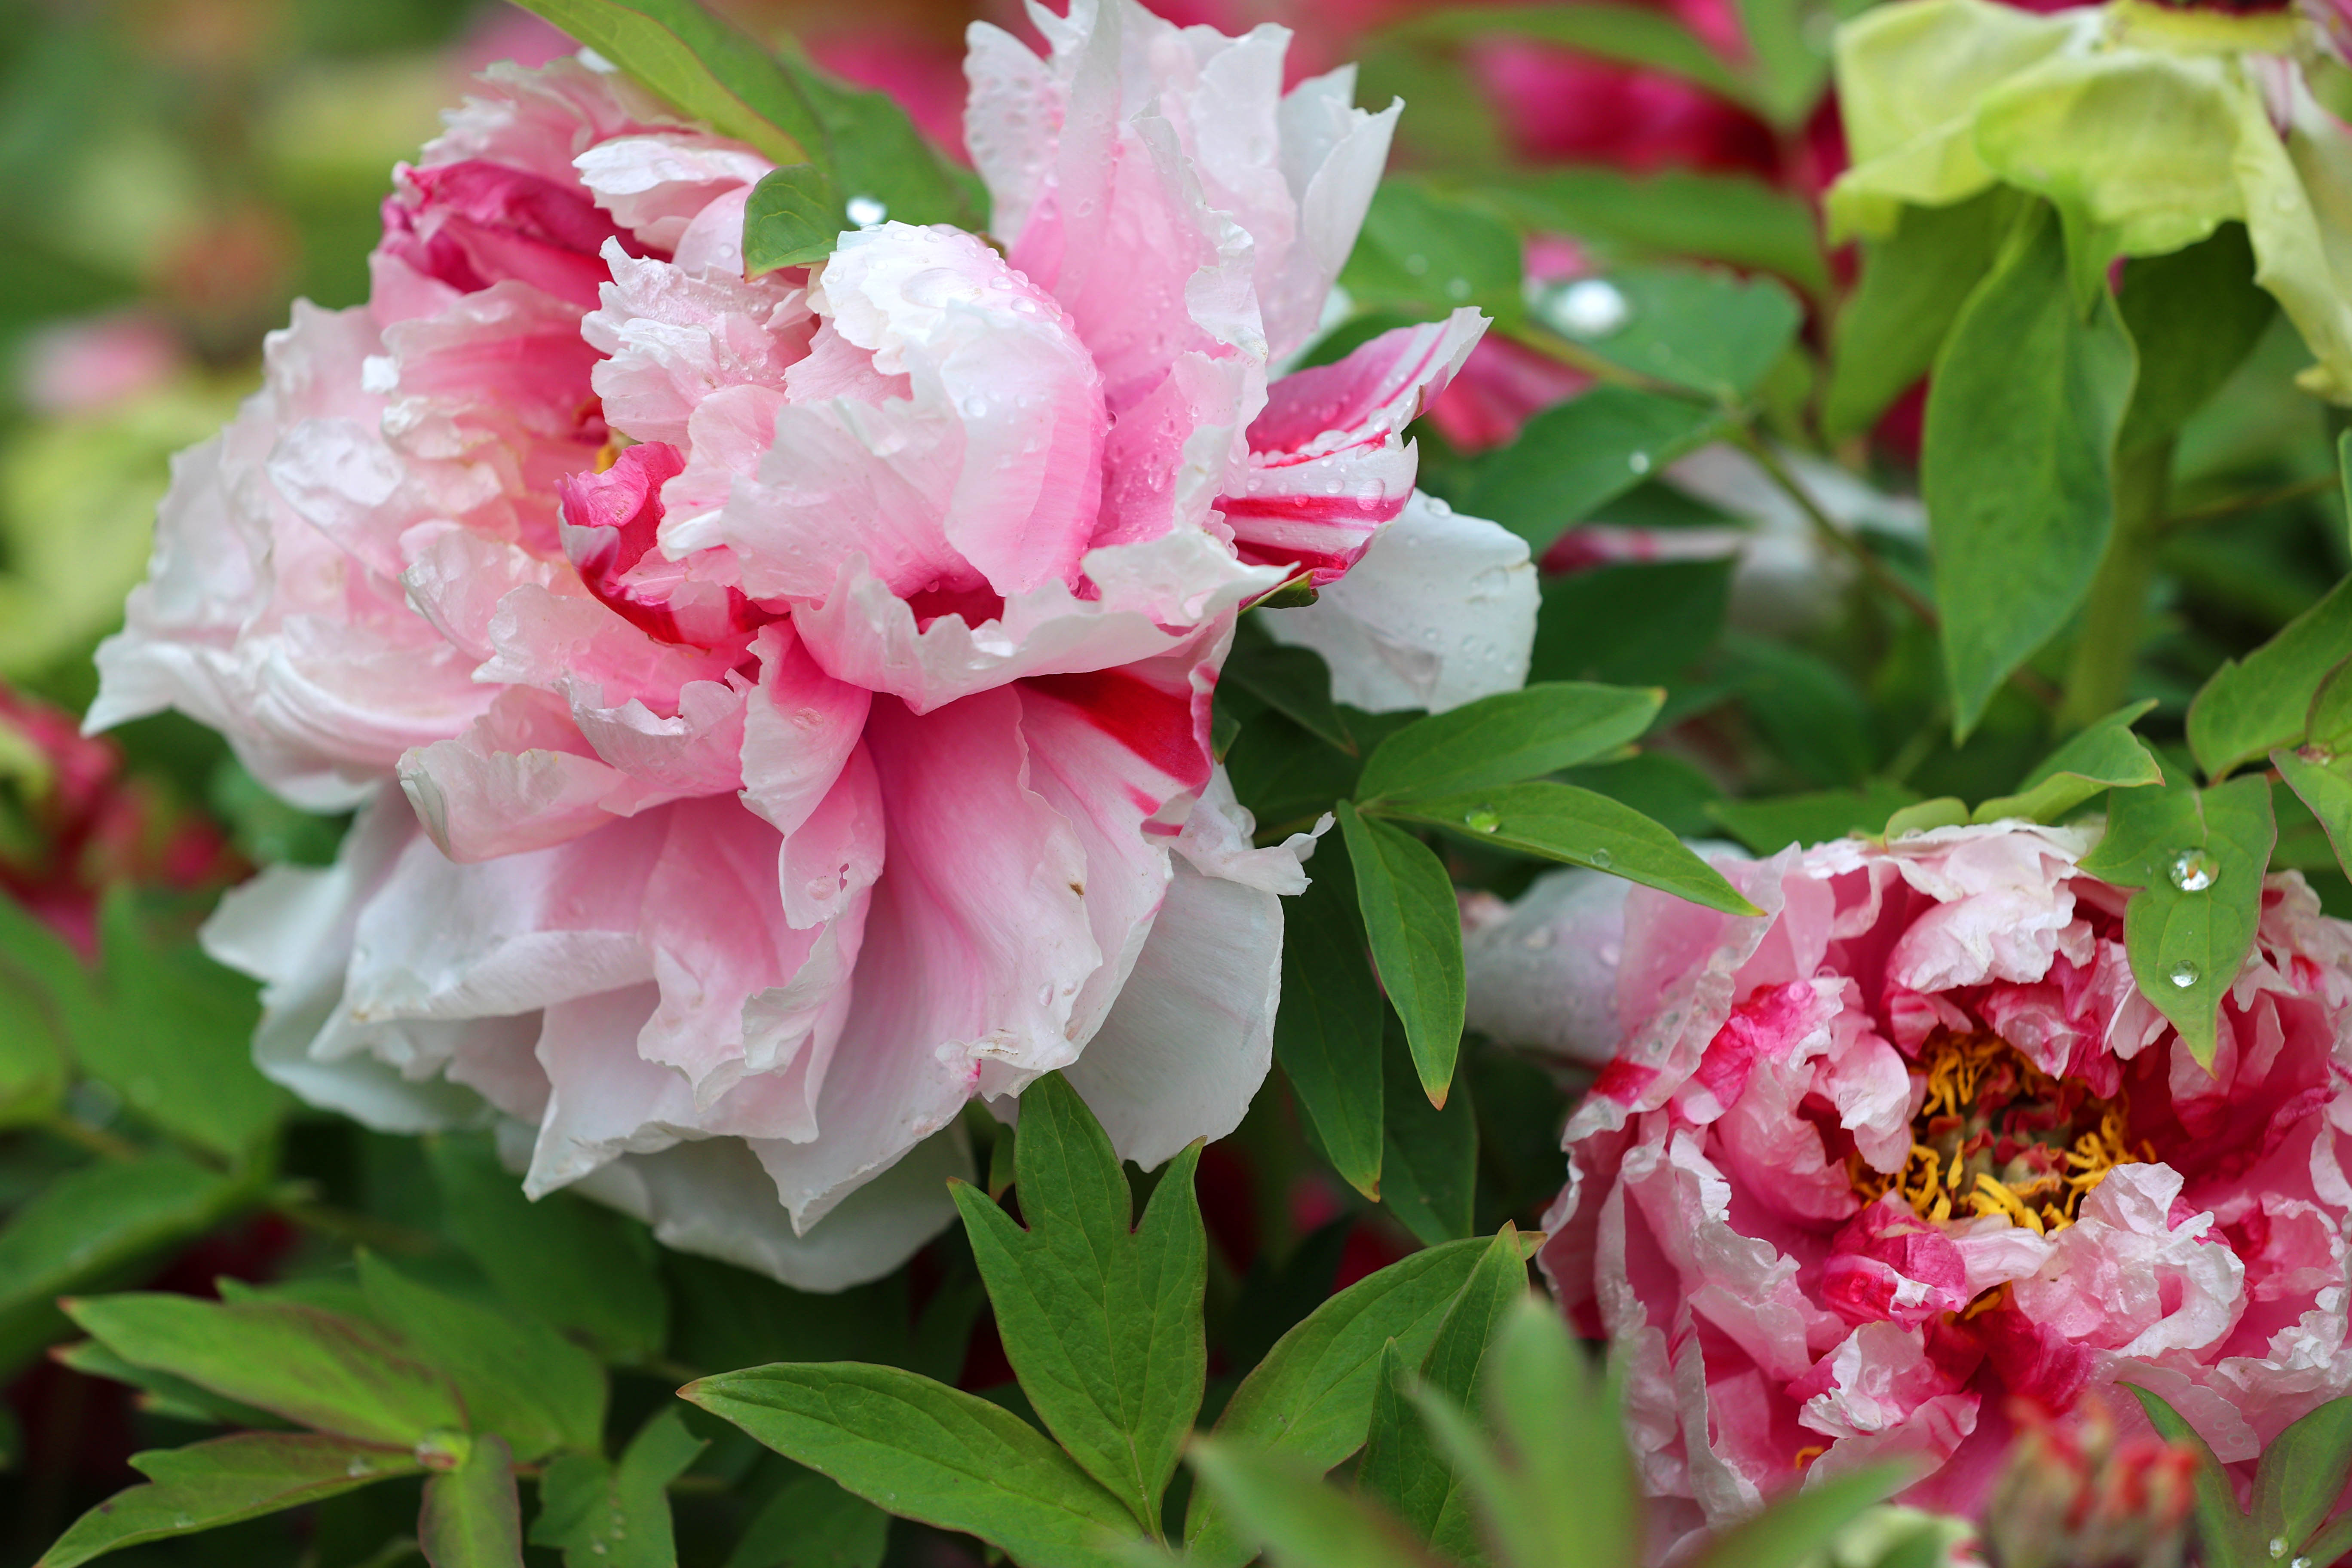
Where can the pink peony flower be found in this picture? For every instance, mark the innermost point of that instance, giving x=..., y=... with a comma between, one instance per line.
x=1911, y=1146
x=797, y=687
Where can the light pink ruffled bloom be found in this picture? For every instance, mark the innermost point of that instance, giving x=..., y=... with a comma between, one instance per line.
x=797, y=687
x=1740, y=1219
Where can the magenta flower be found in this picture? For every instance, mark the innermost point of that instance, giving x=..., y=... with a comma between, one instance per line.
x=798, y=686
x=1863, y=1172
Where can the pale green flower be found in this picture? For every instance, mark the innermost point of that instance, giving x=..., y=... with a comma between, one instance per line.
x=2146, y=125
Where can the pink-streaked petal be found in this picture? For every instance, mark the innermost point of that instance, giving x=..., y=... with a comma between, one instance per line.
x=799, y=726
x=522, y=778
x=1329, y=463
x=672, y=338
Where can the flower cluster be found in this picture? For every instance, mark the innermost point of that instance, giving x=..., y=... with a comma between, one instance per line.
x=1862, y=1172
x=797, y=686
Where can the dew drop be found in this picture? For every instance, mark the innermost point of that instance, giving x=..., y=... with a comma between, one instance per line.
x=182, y=1522
x=1538, y=939
x=820, y=889
x=1639, y=462
x=1482, y=819
x=1600, y=859
x=975, y=407
x=2183, y=973
x=1417, y=264
x=2278, y=1546
x=597, y=1547
x=865, y=211
x=1590, y=308
x=2193, y=870
x=1045, y=994
x=1457, y=288
x=357, y=1467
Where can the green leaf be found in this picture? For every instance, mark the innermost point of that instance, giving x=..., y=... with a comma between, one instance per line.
x=2194, y=315
x=472, y=1518
x=1797, y=1525
x=1507, y=737
x=1401, y=1467
x=603, y=1515
x=517, y=1377
x=1414, y=926
x=1731, y=218
x=792, y=218
x=1293, y=681
x=927, y=1452
x=2254, y=705
x=872, y=148
x=1562, y=822
x=1810, y=712
x=1278, y=1502
x=583, y=1267
x=2017, y=467
x=2302, y=1474
x=32, y=1034
x=160, y=1392
x=1429, y=1165
x=1643, y=623
x=1285, y=775
x=1312, y=1395
x=1790, y=40
x=220, y=1481
x=813, y=1523
x=2197, y=857
x=1429, y=253
x=172, y=1033
x=1328, y=1034
x=1711, y=332
x=2106, y=755
x=1102, y=1323
x=334, y=1373
x=1911, y=287
x=1632, y=35
x=2224, y=1535
x=1571, y=460
x=1769, y=826
x=683, y=54
x=95, y=1220
x=1577, y=1500
x=2322, y=782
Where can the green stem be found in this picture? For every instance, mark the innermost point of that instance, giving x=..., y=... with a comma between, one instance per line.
x=2114, y=620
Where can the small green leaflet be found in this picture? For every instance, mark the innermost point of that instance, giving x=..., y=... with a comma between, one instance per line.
x=1102, y=1322
x=927, y=1452
x=334, y=1373
x=220, y=1481
x=2017, y=466
x=1401, y=1467
x=2197, y=857
x=1328, y=1034
x=1571, y=460
x=1507, y=737
x=2106, y=755
x=472, y=1518
x=1428, y=1159
x=689, y=57
x=792, y=218
x=1312, y=1395
x=604, y=1515
x=2254, y=705
x=1414, y=926
x=1562, y=822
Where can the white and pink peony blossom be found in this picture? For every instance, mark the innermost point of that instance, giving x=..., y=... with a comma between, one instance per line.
x=793, y=691
x=1866, y=1171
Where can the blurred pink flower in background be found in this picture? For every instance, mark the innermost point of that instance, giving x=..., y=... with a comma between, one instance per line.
x=798, y=687
x=1911, y=1145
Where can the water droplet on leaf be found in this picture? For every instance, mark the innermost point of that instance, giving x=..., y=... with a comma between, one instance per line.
x=865, y=211
x=1639, y=462
x=2193, y=870
x=2184, y=975
x=1601, y=859
x=1482, y=819
x=1590, y=308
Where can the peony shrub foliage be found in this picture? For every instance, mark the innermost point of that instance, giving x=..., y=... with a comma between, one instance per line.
x=1578, y=797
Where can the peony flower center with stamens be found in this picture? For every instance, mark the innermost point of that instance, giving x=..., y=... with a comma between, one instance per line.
x=1997, y=1135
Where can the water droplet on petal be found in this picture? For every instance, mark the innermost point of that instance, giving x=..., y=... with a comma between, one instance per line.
x=1600, y=859
x=1538, y=939
x=1045, y=994
x=2193, y=870
x=1482, y=819
x=865, y=211
x=2184, y=974
x=975, y=407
